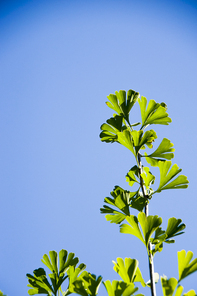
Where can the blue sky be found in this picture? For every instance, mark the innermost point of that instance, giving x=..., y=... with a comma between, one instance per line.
x=58, y=62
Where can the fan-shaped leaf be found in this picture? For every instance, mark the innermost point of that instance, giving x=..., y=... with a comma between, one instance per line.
x=190, y=293
x=184, y=265
x=140, y=139
x=148, y=177
x=167, y=174
x=154, y=114
x=179, y=291
x=128, y=270
x=174, y=228
x=126, y=140
x=120, y=200
x=168, y=285
x=148, y=224
x=163, y=152
x=119, y=288
x=122, y=105
x=110, y=130
x=137, y=201
x=131, y=176
x=87, y=284
x=39, y=283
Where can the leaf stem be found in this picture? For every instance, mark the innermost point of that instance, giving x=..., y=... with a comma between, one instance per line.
x=151, y=263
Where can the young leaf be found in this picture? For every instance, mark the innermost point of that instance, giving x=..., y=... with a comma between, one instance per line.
x=167, y=175
x=137, y=201
x=87, y=284
x=125, y=138
x=190, y=293
x=179, y=291
x=154, y=114
x=163, y=152
x=168, y=285
x=133, y=228
x=66, y=260
x=140, y=139
x=119, y=288
x=122, y=105
x=110, y=130
x=39, y=283
x=74, y=273
x=131, y=176
x=186, y=267
x=129, y=271
x=120, y=200
x=174, y=228
x=148, y=224
x=148, y=177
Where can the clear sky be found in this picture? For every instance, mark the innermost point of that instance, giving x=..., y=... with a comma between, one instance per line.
x=58, y=62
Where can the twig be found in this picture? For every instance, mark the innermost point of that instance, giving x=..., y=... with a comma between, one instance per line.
x=151, y=263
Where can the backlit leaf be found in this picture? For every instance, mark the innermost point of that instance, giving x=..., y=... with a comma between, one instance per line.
x=174, y=228
x=120, y=200
x=131, y=176
x=121, y=103
x=155, y=113
x=119, y=288
x=167, y=174
x=87, y=284
x=185, y=265
x=128, y=270
x=148, y=224
x=111, y=128
x=163, y=152
x=126, y=140
x=140, y=139
x=168, y=285
x=190, y=293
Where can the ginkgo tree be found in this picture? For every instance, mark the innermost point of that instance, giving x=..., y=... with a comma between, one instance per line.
x=118, y=209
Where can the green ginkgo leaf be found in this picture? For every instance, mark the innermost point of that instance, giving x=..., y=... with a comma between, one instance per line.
x=148, y=224
x=190, y=293
x=174, y=228
x=140, y=139
x=148, y=177
x=137, y=201
x=167, y=174
x=86, y=284
x=132, y=175
x=125, y=138
x=120, y=200
x=129, y=271
x=155, y=113
x=74, y=274
x=121, y=103
x=168, y=285
x=111, y=128
x=119, y=288
x=185, y=265
x=163, y=152
x=179, y=291
x=39, y=283
x=133, y=228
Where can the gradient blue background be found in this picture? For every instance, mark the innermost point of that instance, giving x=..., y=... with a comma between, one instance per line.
x=58, y=62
